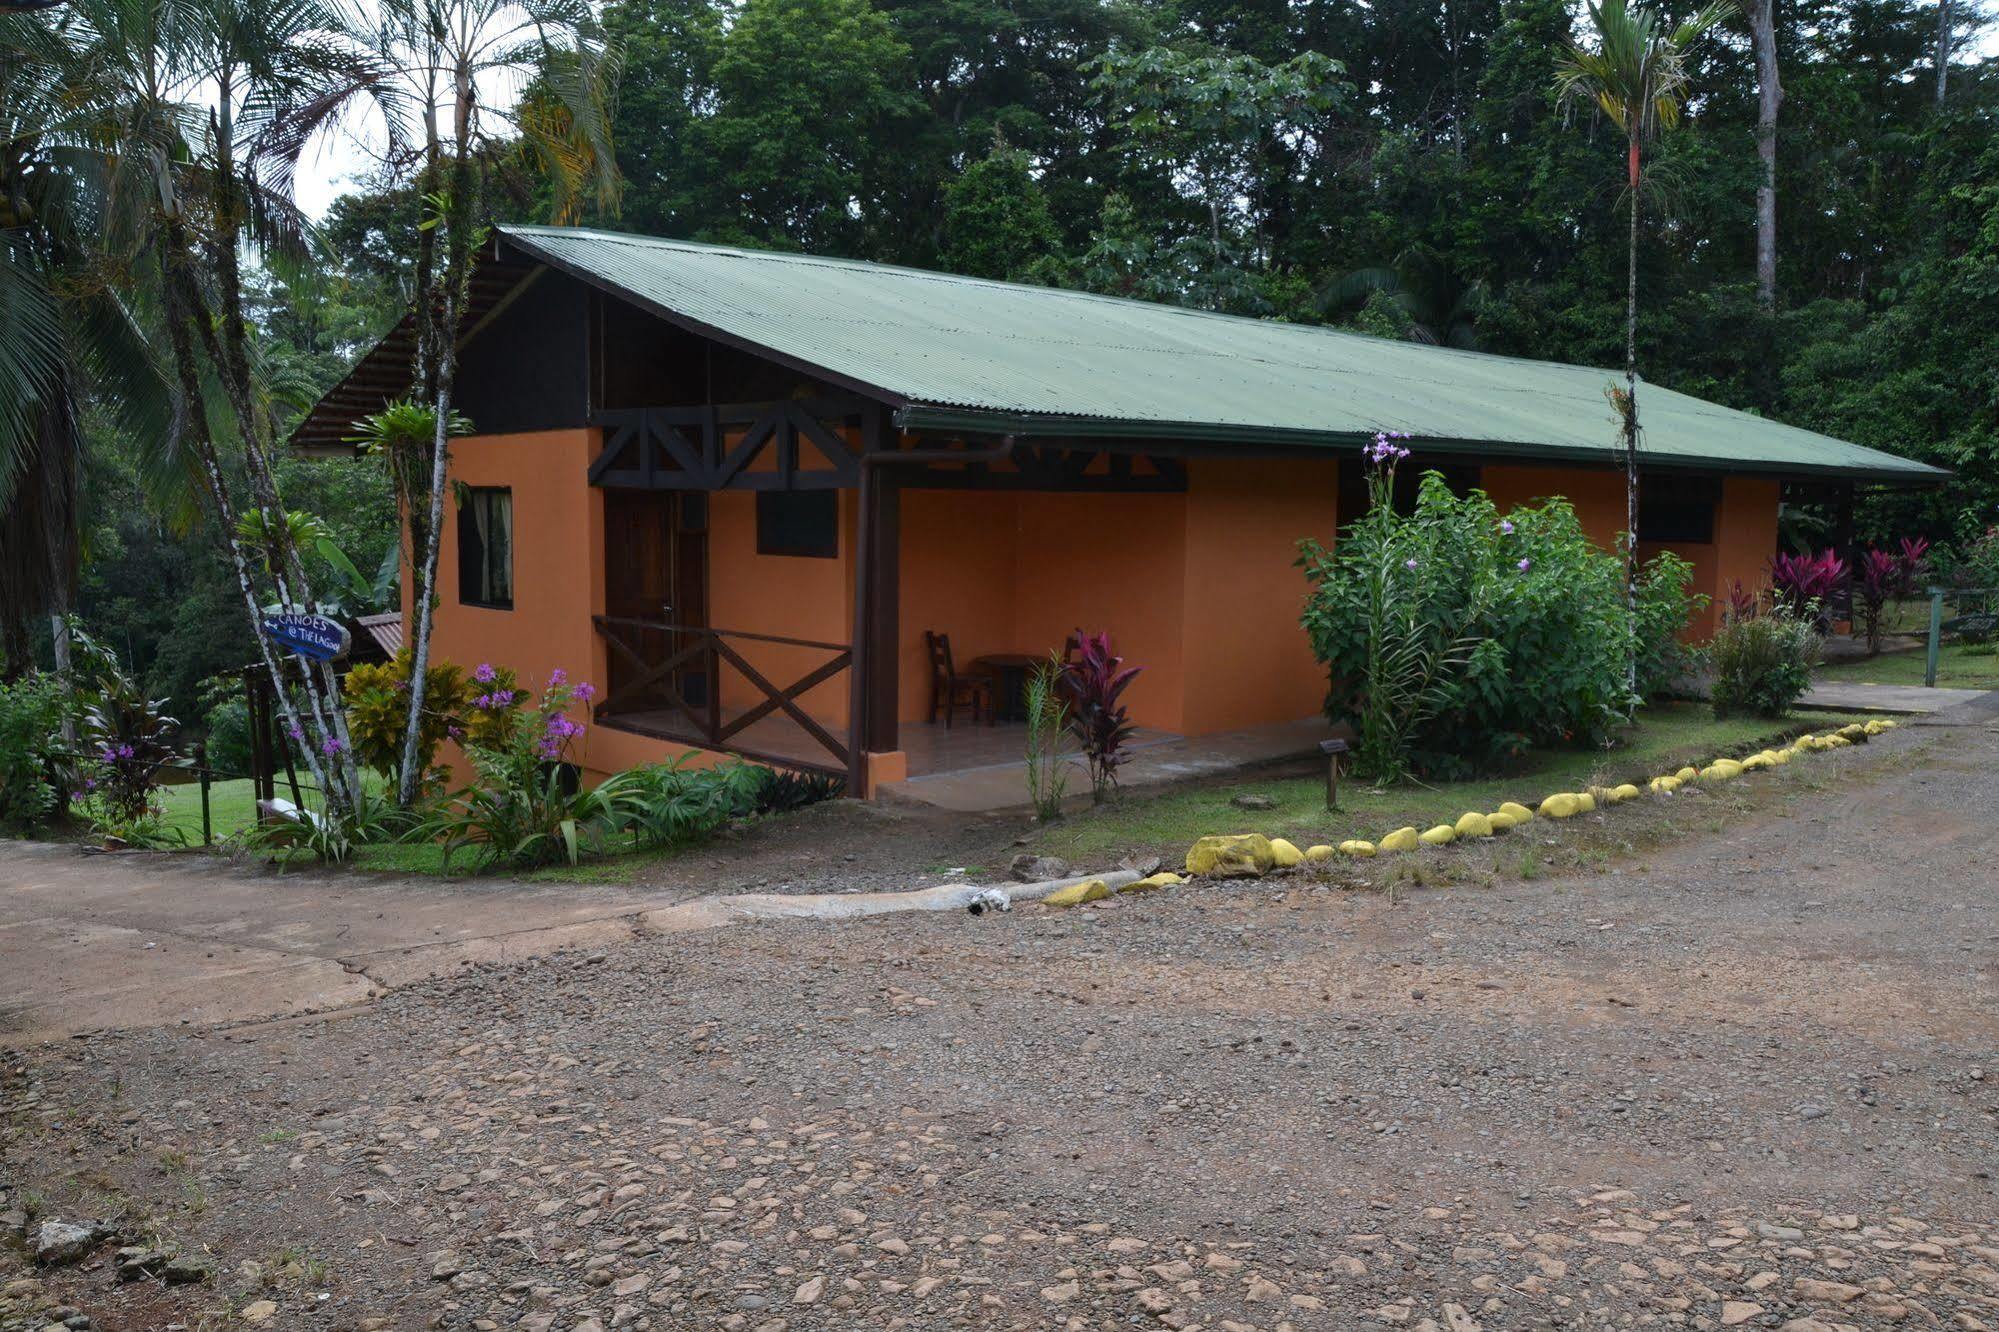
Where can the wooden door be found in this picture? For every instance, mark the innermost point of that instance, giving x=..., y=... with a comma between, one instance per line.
x=656, y=570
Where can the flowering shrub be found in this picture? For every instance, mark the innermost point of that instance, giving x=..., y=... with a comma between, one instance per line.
x=1455, y=637
x=525, y=806
x=457, y=706
x=126, y=743
x=1763, y=663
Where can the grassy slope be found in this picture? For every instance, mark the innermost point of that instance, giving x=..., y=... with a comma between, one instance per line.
x=1667, y=737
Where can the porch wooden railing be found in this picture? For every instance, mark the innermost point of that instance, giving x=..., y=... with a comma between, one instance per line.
x=653, y=686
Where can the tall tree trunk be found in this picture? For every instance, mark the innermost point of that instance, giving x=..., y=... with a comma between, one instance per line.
x=1769, y=97
x=458, y=226
x=1944, y=17
x=1631, y=408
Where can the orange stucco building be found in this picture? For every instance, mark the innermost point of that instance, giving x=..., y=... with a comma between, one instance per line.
x=735, y=490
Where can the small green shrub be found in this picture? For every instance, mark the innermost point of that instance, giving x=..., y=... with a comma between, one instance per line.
x=33, y=758
x=673, y=804
x=1047, y=722
x=1763, y=663
x=784, y=791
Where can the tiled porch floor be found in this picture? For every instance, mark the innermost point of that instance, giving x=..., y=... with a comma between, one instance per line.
x=974, y=769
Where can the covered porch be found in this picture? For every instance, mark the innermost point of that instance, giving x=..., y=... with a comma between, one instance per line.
x=773, y=573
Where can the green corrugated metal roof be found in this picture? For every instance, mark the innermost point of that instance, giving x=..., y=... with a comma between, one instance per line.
x=965, y=353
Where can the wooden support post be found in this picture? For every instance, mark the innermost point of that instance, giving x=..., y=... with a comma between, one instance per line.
x=872, y=698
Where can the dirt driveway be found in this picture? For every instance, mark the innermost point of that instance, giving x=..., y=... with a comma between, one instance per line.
x=1751, y=1080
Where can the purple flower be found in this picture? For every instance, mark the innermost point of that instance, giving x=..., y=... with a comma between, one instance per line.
x=1524, y=565
x=558, y=678
x=1506, y=527
x=585, y=692
x=455, y=732
x=330, y=746
x=294, y=730
x=484, y=672
x=1409, y=563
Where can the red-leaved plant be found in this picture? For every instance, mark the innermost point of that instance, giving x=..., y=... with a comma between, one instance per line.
x=1095, y=681
x=1909, y=564
x=1805, y=584
x=1880, y=576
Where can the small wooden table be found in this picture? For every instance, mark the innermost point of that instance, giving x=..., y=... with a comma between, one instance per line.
x=1009, y=671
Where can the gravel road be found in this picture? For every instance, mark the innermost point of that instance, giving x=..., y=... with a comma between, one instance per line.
x=1746, y=1078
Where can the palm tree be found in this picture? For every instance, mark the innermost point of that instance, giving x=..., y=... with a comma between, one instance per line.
x=1638, y=79
x=66, y=333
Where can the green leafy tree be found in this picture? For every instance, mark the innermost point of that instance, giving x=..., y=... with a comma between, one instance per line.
x=996, y=222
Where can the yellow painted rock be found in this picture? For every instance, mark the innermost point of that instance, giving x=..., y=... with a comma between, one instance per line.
x=1231, y=855
x=1439, y=835
x=1402, y=839
x=1687, y=774
x=1078, y=893
x=1561, y=805
x=1472, y=824
x=1283, y=855
x=1520, y=812
x=1757, y=763
x=1855, y=733
x=1664, y=785
x=1500, y=821
x=1365, y=849
x=1318, y=853
x=1714, y=772
x=1163, y=879
x=1835, y=742
x=1880, y=724
x=1624, y=791
x=1585, y=803
x=1778, y=757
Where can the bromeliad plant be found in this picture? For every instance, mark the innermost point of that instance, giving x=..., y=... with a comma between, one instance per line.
x=127, y=739
x=1093, y=685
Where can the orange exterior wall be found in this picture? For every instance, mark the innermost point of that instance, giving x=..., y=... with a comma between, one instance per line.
x=1248, y=661
x=1201, y=589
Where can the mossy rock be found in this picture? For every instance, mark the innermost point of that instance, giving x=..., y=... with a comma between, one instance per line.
x=1091, y=890
x=1231, y=856
x=1283, y=855
x=1472, y=824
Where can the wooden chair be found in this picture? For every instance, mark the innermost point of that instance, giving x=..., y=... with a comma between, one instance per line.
x=948, y=689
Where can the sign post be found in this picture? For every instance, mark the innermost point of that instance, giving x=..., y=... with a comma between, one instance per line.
x=318, y=637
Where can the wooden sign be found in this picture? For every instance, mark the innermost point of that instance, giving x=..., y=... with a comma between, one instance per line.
x=316, y=636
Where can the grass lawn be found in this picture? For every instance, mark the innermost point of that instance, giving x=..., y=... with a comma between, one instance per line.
x=232, y=805
x=1665, y=738
x=1959, y=666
